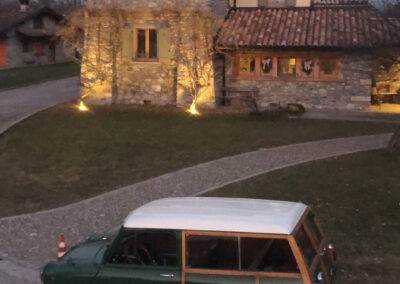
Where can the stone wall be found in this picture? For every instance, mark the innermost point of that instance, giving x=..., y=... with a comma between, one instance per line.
x=353, y=92
x=130, y=81
x=14, y=47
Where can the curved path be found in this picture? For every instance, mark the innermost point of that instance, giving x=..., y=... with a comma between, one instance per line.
x=18, y=104
x=32, y=239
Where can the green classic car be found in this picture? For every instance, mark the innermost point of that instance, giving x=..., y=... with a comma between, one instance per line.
x=203, y=241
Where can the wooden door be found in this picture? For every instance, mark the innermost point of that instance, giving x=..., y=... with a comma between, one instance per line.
x=3, y=54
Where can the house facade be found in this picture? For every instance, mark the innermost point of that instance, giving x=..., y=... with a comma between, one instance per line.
x=316, y=53
x=27, y=35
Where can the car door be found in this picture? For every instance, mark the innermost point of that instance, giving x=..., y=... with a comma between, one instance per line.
x=143, y=257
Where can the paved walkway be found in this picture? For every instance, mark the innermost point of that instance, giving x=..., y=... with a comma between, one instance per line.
x=32, y=239
x=18, y=104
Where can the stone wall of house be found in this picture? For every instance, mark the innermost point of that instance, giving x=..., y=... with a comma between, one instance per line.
x=130, y=81
x=353, y=93
x=14, y=48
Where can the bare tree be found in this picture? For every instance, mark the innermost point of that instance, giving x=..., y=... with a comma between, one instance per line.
x=102, y=33
x=195, y=53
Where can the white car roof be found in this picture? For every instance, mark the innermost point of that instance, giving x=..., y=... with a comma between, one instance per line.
x=218, y=214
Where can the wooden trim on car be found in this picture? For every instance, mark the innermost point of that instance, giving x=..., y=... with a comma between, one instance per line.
x=244, y=273
x=319, y=250
x=236, y=234
x=183, y=260
x=300, y=260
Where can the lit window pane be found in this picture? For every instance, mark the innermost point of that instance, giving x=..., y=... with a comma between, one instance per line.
x=266, y=65
x=247, y=64
x=141, y=43
x=153, y=43
x=287, y=66
x=327, y=66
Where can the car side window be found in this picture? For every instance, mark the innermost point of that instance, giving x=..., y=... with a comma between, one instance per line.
x=212, y=252
x=312, y=226
x=147, y=248
x=240, y=253
x=268, y=255
x=305, y=246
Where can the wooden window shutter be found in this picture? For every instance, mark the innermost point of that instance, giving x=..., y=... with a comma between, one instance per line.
x=127, y=44
x=163, y=45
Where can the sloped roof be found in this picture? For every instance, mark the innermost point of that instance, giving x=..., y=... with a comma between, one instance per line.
x=11, y=16
x=346, y=26
x=218, y=214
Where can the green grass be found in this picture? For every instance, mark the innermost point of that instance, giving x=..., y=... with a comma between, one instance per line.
x=21, y=76
x=61, y=155
x=356, y=198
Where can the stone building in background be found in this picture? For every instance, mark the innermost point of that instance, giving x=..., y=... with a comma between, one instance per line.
x=27, y=35
x=315, y=53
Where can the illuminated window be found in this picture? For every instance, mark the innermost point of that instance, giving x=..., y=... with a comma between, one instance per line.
x=328, y=67
x=287, y=66
x=38, y=49
x=146, y=44
x=247, y=64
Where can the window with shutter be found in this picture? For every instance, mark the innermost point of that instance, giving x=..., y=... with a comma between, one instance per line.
x=146, y=45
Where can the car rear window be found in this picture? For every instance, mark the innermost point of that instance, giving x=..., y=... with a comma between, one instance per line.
x=305, y=246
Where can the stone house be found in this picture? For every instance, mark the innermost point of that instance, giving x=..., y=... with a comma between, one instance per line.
x=146, y=68
x=27, y=35
x=316, y=53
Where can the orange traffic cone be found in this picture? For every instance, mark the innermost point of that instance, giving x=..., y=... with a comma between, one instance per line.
x=61, y=247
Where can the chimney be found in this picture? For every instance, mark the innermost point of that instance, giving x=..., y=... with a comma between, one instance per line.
x=23, y=5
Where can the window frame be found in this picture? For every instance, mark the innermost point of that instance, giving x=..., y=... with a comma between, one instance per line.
x=256, y=274
x=294, y=74
x=335, y=73
x=298, y=76
x=147, y=45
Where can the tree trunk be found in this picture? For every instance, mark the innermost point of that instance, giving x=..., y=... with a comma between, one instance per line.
x=394, y=144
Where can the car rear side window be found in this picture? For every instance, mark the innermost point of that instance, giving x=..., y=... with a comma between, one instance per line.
x=147, y=248
x=212, y=252
x=305, y=245
x=268, y=255
x=240, y=253
x=312, y=226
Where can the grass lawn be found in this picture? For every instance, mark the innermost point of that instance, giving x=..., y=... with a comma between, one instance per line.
x=60, y=156
x=21, y=76
x=356, y=198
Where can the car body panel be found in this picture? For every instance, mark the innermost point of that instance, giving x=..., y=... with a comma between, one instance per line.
x=124, y=274
x=191, y=278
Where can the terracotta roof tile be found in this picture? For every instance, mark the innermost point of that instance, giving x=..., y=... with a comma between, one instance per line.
x=351, y=26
